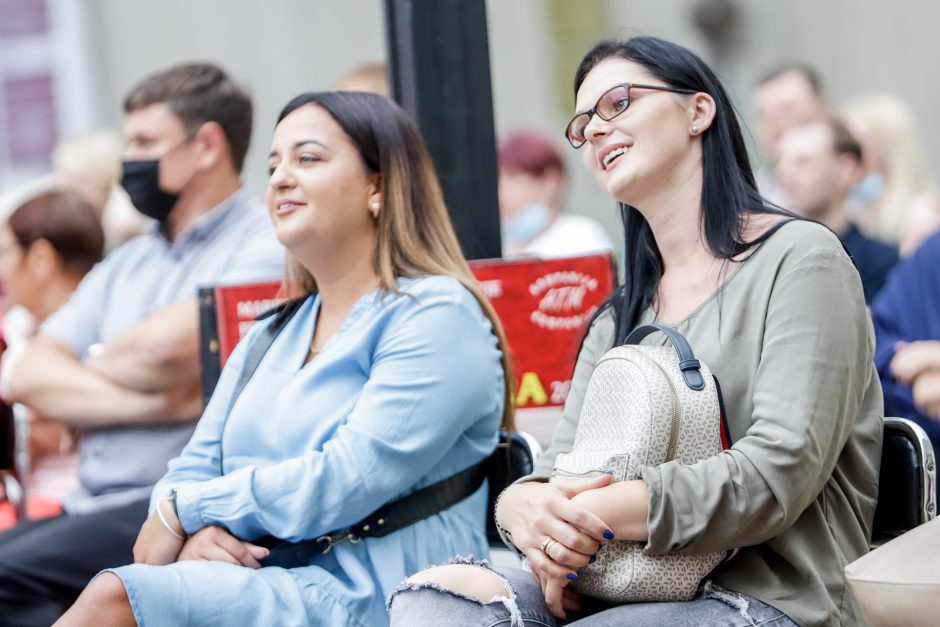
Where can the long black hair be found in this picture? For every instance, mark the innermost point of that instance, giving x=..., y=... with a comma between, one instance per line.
x=729, y=191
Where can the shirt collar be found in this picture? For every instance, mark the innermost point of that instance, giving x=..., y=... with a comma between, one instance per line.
x=850, y=233
x=205, y=224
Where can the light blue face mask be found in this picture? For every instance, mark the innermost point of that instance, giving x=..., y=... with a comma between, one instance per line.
x=868, y=190
x=529, y=221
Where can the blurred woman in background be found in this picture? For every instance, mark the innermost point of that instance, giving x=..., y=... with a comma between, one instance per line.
x=897, y=200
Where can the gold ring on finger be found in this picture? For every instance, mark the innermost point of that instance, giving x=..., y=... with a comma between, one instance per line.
x=548, y=544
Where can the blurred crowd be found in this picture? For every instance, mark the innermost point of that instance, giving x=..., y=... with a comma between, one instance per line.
x=861, y=169
x=858, y=167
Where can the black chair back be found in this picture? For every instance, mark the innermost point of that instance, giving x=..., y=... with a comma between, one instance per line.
x=7, y=438
x=512, y=459
x=907, y=484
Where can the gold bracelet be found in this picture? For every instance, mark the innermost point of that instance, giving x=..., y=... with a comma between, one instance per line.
x=166, y=523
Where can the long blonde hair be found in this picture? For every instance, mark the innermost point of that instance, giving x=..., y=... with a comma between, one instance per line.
x=888, y=123
x=415, y=236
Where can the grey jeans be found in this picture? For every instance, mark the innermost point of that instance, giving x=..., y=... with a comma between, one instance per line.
x=433, y=605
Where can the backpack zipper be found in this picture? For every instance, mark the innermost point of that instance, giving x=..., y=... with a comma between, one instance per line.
x=674, y=434
x=594, y=472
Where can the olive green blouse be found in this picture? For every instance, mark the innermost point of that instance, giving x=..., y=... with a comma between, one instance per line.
x=790, y=340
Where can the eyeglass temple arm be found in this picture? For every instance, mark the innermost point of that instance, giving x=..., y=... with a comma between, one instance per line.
x=678, y=90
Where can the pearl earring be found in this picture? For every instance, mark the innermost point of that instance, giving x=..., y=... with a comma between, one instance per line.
x=694, y=130
x=375, y=208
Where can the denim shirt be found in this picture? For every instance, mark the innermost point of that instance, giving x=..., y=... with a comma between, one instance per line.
x=408, y=392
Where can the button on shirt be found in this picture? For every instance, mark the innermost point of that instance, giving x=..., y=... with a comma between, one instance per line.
x=233, y=243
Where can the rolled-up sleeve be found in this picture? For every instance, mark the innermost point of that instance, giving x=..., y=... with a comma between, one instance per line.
x=815, y=365
x=77, y=323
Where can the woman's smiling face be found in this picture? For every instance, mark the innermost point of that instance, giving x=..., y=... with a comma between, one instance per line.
x=319, y=189
x=634, y=155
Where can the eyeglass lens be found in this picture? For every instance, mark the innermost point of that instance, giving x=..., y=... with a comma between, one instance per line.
x=612, y=103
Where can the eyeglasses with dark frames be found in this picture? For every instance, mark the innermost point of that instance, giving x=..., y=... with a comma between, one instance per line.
x=612, y=103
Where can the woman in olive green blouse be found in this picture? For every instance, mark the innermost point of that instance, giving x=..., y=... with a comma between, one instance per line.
x=774, y=306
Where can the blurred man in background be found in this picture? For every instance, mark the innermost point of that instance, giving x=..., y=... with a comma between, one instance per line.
x=788, y=95
x=817, y=164
x=119, y=362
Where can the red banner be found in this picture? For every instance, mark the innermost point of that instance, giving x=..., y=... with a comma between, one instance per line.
x=544, y=305
x=236, y=309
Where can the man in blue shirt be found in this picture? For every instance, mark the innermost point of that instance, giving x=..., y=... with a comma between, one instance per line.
x=907, y=331
x=818, y=164
x=119, y=362
x=787, y=96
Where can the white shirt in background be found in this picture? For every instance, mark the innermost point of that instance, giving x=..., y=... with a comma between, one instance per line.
x=570, y=235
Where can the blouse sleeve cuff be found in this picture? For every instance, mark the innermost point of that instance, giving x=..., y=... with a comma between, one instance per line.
x=657, y=544
x=188, y=508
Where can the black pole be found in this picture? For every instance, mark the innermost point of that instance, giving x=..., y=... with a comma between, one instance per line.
x=439, y=67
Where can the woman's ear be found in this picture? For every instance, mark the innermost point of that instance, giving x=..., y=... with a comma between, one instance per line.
x=375, y=196
x=701, y=113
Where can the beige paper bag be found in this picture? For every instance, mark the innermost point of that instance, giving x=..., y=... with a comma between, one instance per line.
x=898, y=584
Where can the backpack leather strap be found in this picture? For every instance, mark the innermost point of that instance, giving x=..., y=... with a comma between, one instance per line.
x=688, y=364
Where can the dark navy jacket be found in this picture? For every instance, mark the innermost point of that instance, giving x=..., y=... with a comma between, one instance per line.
x=908, y=309
x=873, y=258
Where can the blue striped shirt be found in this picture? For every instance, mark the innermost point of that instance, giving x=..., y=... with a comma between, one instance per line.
x=232, y=243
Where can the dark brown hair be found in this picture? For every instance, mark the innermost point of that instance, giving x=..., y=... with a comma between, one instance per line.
x=67, y=221
x=415, y=236
x=843, y=141
x=197, y=93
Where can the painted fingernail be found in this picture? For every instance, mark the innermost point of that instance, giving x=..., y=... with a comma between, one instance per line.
x=572, y=576
x=609, y=472
x=593, y=559
x=608, y=534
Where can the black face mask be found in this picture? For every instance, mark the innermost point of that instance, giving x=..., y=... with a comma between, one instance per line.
x=141, y=181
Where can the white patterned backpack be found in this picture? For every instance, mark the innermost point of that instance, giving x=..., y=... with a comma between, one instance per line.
x=645, y=406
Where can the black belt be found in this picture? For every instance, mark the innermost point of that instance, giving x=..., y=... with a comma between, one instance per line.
x=389, y=518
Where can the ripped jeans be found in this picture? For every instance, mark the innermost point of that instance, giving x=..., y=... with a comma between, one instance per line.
x=429, y=604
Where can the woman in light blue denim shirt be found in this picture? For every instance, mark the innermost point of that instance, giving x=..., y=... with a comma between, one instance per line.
x=390, y=376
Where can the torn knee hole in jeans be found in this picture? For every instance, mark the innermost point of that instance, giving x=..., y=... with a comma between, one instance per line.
x=735, y=600
x=508, y=600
